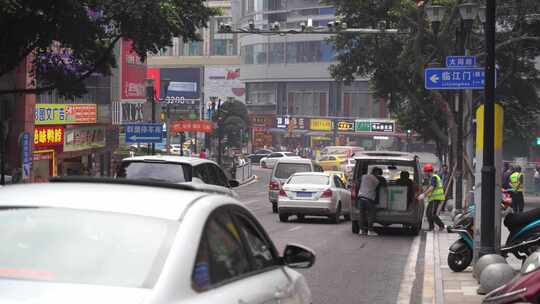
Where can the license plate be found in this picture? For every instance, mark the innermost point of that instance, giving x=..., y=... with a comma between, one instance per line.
x=303, y=194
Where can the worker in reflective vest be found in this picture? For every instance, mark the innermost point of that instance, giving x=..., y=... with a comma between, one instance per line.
x=516, y=184
x=435, y=196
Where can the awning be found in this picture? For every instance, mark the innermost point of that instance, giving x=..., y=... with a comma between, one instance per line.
x=277, y=131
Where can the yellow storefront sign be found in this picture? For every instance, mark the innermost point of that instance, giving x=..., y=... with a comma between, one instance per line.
x=320, y=124
x=60, y=114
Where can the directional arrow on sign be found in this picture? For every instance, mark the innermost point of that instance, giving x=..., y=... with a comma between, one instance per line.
x=434, y=78
x=144, y=138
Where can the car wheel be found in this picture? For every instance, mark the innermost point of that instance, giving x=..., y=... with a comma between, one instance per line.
x=283, y=217
x=337, y=216
x=347, y=216
x=301, y=217
x=263, y=165
x=355, y=227
x=274, y=208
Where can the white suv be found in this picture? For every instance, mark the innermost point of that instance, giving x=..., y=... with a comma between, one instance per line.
x=203, y=174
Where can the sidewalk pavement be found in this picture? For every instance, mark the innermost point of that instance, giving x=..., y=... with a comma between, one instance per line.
x=443, y=286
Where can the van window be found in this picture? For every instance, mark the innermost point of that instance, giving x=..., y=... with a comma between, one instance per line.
x=285, y=170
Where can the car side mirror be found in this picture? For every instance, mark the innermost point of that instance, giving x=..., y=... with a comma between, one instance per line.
x=233, y=183
x=297, y=256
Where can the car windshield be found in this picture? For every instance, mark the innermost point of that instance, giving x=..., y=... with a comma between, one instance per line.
x=84, y=247
x=285, y=170
x=309, y=179
x=159, y=171
x=392, y=172
x=289, y=154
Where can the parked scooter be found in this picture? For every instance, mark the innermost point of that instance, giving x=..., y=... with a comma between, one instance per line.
x=523, y=240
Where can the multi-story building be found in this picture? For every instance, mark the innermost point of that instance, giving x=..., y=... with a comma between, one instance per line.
x=287, y=79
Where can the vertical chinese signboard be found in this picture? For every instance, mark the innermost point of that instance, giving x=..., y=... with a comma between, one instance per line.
x=26, y=155
x=133, y=73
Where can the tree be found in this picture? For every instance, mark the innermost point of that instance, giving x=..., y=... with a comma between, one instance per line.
x=233, y=121
x=396, y=63
x=69, y=40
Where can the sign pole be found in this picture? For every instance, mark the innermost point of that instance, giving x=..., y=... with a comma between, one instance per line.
x=487, y=223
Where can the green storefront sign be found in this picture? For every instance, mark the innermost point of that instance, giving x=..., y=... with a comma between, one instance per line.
x=538, y=141
x=362, y=126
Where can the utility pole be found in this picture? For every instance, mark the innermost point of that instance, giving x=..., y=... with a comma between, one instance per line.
x=487, y=221
x=461, y=41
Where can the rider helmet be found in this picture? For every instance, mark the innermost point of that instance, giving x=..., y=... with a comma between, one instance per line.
x=428, y=168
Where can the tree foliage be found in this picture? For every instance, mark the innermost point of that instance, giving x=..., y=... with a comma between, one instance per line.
x=233, y=121
x=72, y=39
x=396, y=63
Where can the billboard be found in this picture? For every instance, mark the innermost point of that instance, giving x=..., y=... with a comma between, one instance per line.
x=223, y=82
x=133, y=73
x=184, y=85
x=61, y=114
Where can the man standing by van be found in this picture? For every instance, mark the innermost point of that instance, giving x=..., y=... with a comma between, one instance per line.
x=368, y=199
x=435, y=196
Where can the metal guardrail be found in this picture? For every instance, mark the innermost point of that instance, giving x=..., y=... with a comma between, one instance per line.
x=243, y=173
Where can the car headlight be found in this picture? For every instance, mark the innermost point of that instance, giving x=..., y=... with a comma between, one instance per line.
x=531, y=264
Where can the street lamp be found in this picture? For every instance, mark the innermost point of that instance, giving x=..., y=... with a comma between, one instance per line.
x=149, y=84
x=435, y=15
x=482, y=14
x=165, y=89
x=468, y=12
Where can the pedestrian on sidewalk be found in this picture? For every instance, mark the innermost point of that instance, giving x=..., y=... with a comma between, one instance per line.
x=435, y=197
x=507, y=171
x=368, y=198
x=202, y=154
x=516, y=184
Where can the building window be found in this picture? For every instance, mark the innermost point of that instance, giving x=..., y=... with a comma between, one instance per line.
x=192, y=48
x=261, y=94
x=357, y=104
x=259, y=53
x=223, y=47
x=276, y=53
x=308, y=103
x=247, y=54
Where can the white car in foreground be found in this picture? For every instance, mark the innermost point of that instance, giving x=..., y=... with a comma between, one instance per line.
x=272, y=159
x=109, y=241
x=314, y=193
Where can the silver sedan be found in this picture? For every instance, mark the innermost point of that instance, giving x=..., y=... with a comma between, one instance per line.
x=314, y=193
x=128, y=241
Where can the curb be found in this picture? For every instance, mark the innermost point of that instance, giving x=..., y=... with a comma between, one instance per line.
x=250, y=180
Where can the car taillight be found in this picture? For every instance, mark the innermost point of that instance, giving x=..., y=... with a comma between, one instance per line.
x=327, y=193
x=273, y=185
x=282, y=192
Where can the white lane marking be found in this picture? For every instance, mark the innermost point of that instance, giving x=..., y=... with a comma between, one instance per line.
x=251, y=201
x=409, y=274
x=255, y=179
x=295, y=228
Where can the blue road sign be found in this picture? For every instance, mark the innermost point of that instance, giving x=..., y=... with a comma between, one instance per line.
x=461, y=61
x=455, y=78
x=26, y=155
x=144, y=133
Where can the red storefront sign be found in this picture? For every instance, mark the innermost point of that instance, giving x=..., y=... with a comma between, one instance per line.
x=133, y=73
x=192, y=126
x=48, y=136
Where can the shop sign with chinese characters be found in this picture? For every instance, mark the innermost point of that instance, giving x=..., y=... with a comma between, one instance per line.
x=192, y=126
x=295, y=123
x=83, y=138
x=345, y=125
x=48, y=136
x=368, y=125
x=61, y=114
x=319, y=124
